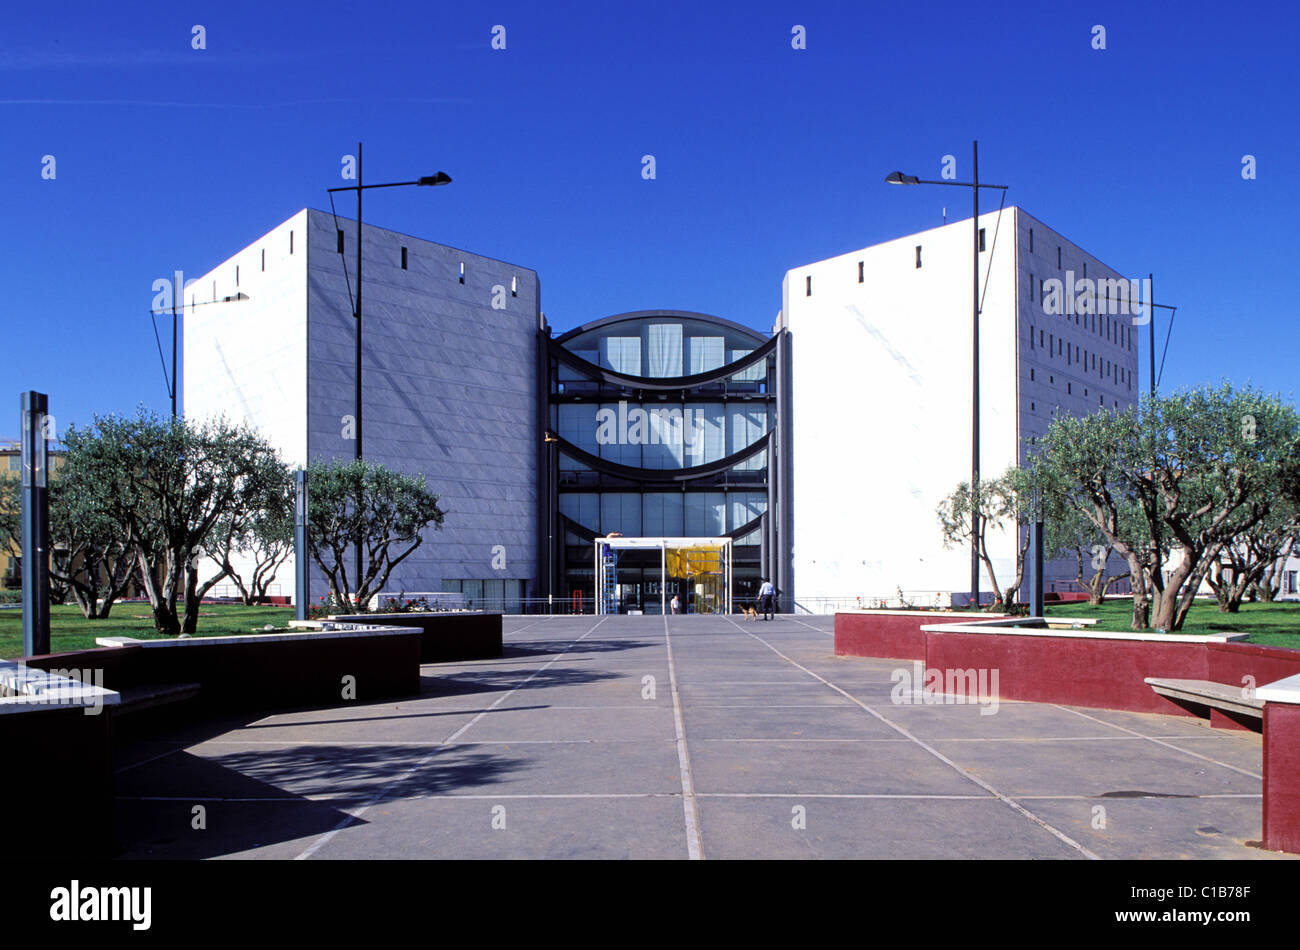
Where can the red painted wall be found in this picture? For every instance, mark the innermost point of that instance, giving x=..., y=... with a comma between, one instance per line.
x=1282, y=777
x=1075, y=671
x=895, y=636
x=1230, y=662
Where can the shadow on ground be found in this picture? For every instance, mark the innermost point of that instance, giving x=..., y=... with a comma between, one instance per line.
x=491, y=681
x=261, y=797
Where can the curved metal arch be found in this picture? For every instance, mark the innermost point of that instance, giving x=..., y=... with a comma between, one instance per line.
x=664, y=476
x=632, y=315
x=660, y=384
x=588, y=535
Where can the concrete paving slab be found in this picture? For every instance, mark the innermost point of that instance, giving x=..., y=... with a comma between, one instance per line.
x=530, y=828
x=873, y=829
x=808, y=722
x=1166, y=828
x=652, y=721
x=1009, y=721
x=826, y=767
x=1054, y=767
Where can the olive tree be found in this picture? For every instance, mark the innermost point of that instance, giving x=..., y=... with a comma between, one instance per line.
x=168, y=483
x=1200, y=468
x=358, y=502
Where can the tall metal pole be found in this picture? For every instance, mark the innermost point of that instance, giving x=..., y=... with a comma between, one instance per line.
x=36, y=525
x=356, y=561
x=175, y=290
x=975, y=390
x=301, y=592
x=1157, y=573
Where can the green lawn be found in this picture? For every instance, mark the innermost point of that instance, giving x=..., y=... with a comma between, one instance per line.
x=69, y=630
x=1268, y=624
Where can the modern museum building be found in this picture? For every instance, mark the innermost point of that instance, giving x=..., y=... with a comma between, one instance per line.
x=661, y=454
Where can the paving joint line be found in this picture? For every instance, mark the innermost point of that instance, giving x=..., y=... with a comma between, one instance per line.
x=349, y=819
x=694, y=839
x=1161, y=742
x=1011, y=803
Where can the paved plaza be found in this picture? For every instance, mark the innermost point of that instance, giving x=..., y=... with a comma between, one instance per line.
x=686, y=737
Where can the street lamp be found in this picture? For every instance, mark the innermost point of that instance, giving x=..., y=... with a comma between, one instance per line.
x=898, y=178
x=438, y=178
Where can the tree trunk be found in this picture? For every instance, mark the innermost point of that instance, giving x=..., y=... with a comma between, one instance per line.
x=1141, y=602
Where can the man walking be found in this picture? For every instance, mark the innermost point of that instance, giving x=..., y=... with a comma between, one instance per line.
x=767, y=599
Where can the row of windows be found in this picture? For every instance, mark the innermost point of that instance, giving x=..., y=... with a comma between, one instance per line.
x=862, y=277
x=663, y=435
x=514, y=279
x=1103, y=324
x=664, y=351
x=706, y=514
x=1101, y=401
x=1058, y=346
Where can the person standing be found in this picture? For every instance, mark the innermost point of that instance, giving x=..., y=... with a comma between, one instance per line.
x=676, y=605
x=767, y=599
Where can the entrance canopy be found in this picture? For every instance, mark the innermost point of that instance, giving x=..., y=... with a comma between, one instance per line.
x=695, y=570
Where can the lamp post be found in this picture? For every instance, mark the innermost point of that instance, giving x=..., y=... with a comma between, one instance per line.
x=898, y=178
x=439, y=178
x=34, y=408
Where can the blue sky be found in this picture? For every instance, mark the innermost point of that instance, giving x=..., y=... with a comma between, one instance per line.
x=767, y=157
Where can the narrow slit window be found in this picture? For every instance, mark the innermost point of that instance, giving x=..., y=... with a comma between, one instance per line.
x=861, y=275
x=918, y=256
x=1031, y=240
x=1058, y=258
x=462, y=272
x=403, y=258
x=236, y=275
x=339, y=239
x=808, y=286
x=263, y=258
x=981, y=239
x=290, y=242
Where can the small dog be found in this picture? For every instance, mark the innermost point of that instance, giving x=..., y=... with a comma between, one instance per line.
x=751, y=613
